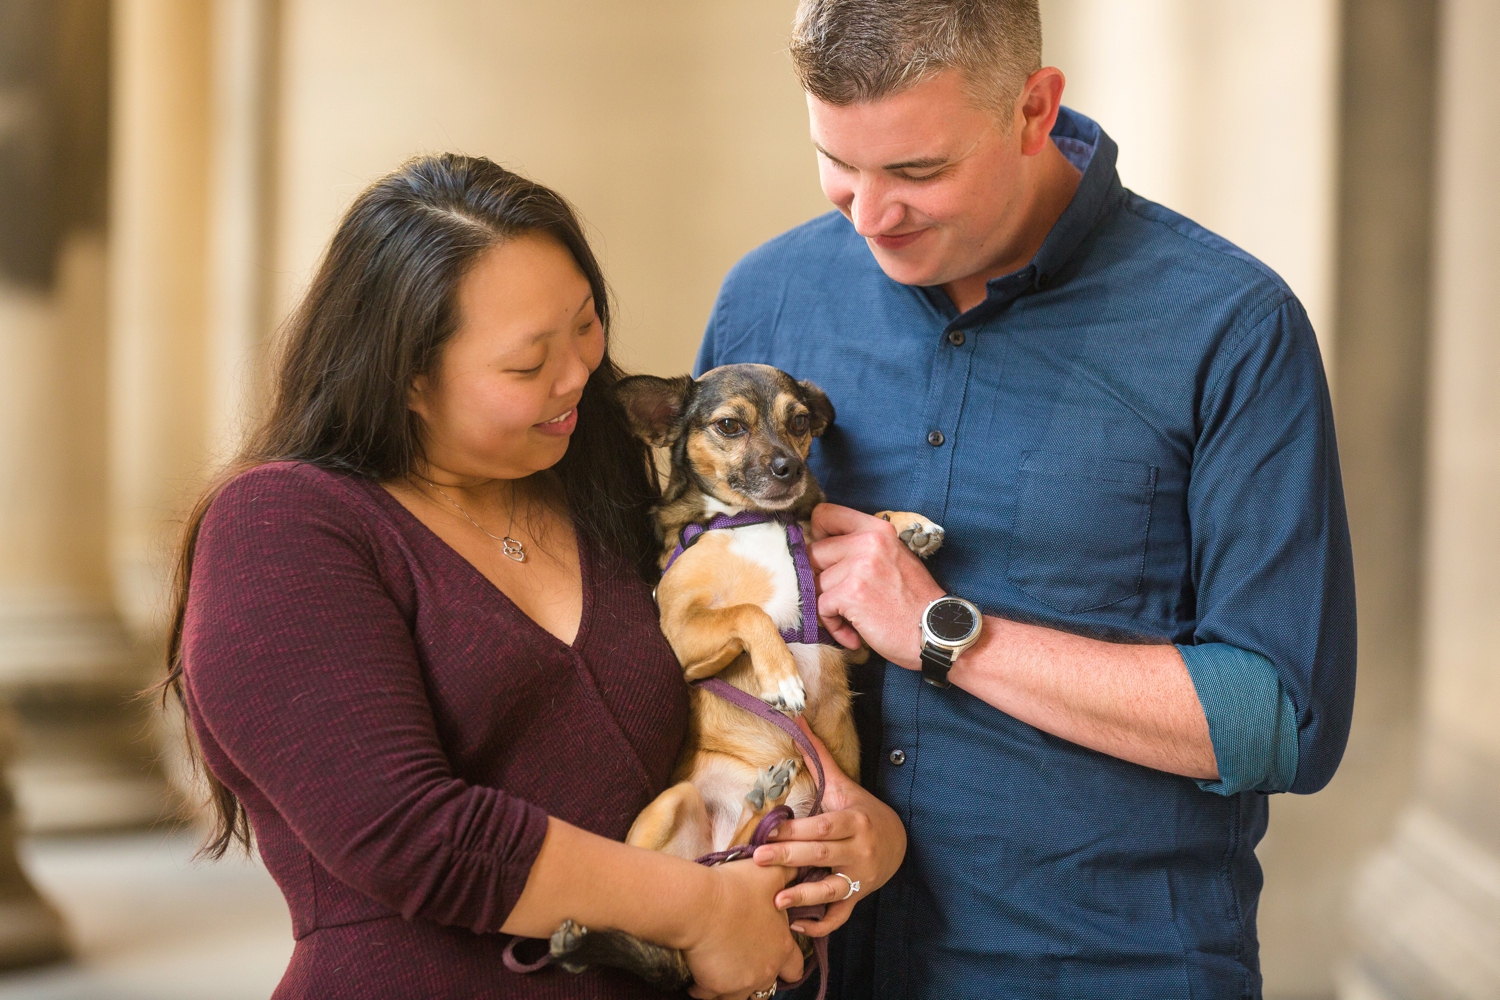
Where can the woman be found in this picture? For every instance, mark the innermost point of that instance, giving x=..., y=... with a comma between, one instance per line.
x=414, y=641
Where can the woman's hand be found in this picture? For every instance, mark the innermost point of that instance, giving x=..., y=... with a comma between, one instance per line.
x=744, y=943
x=857, y=835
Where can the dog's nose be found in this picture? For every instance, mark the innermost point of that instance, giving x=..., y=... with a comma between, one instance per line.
x=785, y=467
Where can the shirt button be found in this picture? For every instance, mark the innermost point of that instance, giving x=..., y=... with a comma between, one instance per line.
x=935, y=438
x=898, y=757
x=956, y=338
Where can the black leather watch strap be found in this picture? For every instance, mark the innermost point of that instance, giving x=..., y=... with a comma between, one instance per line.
x=935, y=665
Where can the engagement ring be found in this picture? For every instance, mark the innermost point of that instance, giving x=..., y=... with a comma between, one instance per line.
x=853, y=885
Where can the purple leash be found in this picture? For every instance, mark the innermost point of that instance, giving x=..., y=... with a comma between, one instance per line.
x=763, y=830
x=771, y=820
x=810, y=631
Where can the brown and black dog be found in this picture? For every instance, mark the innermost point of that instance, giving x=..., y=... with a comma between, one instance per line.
x=738, y=438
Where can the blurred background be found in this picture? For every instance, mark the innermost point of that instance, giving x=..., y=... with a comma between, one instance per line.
x=171, y=169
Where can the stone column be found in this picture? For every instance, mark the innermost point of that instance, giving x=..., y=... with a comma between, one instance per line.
x=158, y=246
x=1426, y=909
x=191, y=177
x=61, y=653
x=244, y=34
x=65, y=663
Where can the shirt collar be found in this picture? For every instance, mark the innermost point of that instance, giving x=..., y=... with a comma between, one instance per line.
x=1093, y=152
x=1086, y=146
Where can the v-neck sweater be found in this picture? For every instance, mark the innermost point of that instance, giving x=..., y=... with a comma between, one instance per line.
x=399, y=731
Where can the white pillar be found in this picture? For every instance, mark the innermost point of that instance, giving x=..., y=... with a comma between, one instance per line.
x=158, y=384
x=188, y=275
x=30, y=930
x=65, y=662
x=1426, y=911
x=243, y=37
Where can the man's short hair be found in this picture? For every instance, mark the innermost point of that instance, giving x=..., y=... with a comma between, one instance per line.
x=851, y=51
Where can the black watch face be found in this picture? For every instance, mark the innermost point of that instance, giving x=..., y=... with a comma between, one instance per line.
x=951, y=621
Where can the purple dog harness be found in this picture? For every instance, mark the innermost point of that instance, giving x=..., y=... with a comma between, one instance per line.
x=768, y=823
x=810, y=631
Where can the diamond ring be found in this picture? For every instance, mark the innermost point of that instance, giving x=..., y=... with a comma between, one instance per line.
x=853, y=885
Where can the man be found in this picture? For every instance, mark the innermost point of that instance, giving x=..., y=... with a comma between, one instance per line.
x=1123, y=423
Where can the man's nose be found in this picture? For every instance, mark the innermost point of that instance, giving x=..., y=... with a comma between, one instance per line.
x=785, y=467
x=871, y=211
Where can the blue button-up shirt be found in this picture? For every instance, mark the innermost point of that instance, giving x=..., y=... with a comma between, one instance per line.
x=1132, y=440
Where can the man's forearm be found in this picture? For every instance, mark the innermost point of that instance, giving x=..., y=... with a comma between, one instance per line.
x=1135, y=702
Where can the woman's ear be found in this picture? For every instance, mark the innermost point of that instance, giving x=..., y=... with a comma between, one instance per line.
x=818, y=403
x=654, y=406
x=416, y=396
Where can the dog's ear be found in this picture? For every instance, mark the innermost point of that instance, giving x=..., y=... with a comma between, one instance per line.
x=816, y=400
x=654, y=406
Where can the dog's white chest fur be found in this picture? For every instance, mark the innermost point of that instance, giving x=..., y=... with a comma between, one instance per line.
x=765, y=545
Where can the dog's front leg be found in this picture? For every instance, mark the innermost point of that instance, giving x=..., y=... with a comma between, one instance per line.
x=708, y=639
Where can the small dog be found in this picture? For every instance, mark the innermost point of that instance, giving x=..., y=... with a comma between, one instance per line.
x=738, y=439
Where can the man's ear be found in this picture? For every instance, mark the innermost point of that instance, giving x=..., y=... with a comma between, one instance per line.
x=654, y=406
x=816, y=400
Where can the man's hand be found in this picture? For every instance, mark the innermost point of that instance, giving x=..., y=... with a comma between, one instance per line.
x=870, y=584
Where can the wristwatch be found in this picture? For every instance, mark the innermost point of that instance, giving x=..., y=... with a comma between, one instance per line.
x=950, y=625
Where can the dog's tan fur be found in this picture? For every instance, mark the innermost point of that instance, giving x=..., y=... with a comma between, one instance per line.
x=716, y=606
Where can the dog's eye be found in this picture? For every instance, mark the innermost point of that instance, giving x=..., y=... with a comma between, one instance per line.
x=730, y=427
x=799, y=424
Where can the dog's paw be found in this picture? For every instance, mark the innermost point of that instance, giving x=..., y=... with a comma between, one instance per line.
x=566, y=941
x=788, y=695
x=772, y=784
x=920, y=535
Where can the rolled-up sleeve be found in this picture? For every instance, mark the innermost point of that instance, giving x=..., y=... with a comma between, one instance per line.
x=1252, y=722
x=1271, y=563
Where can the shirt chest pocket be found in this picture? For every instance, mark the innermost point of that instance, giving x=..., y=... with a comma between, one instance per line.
x=1078, y=541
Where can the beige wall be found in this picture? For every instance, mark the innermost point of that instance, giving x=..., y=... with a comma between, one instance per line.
x=678, y=130
x=1225, y=111
x=675, y=127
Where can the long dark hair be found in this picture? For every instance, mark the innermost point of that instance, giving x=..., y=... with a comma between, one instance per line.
x=378, y=312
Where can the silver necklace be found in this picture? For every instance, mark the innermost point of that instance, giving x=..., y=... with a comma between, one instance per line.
x=510, y=547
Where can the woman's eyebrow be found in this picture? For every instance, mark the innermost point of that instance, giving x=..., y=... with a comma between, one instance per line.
x=584, y=304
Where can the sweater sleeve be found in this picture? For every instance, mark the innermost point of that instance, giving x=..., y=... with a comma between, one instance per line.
x=301, y=667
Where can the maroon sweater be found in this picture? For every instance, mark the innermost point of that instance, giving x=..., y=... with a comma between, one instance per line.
x=399, y=731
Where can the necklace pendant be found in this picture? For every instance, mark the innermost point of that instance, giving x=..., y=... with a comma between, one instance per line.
x=512, y=549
